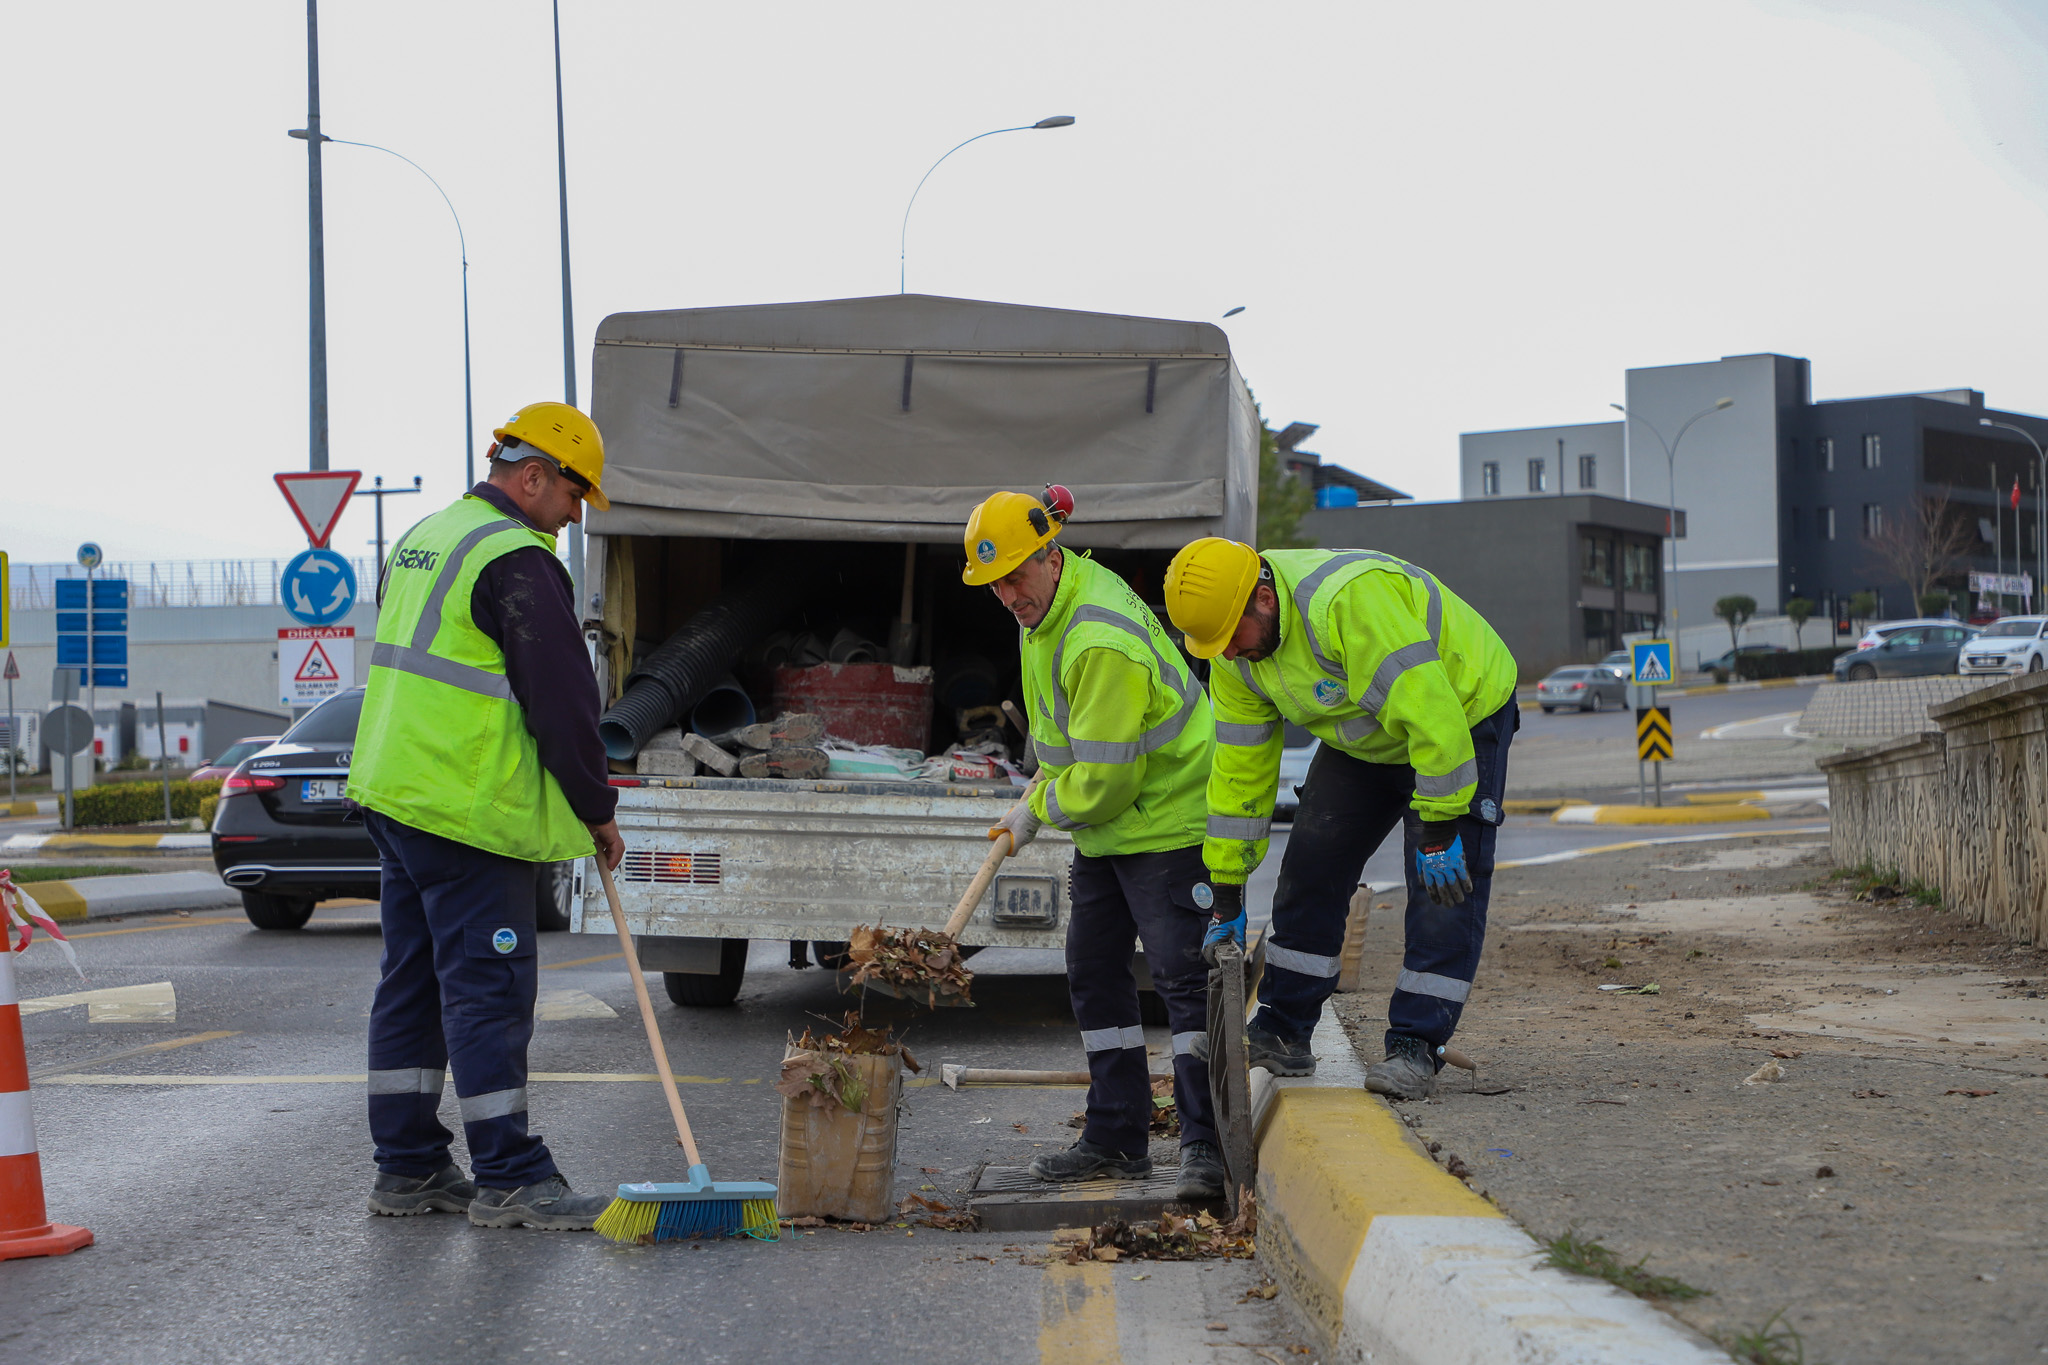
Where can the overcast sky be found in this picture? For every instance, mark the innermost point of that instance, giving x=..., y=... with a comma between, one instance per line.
x=1438, y=218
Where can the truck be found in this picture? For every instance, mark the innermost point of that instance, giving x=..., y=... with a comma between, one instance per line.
x=827, y=455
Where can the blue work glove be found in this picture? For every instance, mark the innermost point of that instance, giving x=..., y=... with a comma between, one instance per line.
x=1440, y=863
x=1226, y=916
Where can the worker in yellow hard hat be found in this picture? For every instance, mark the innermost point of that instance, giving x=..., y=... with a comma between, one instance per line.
x=478, y=766
x=1123, y=736
x=1411, y=694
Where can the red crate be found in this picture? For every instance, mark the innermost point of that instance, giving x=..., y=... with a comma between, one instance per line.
x=865, y=703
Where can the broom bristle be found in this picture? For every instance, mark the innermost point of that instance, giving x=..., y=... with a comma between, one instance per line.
x=628, y=1220
x=646, y=1220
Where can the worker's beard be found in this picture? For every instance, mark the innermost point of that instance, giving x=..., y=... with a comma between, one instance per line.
x=1269, y=633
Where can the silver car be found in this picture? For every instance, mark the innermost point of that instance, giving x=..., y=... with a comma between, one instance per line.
x=1584, y=687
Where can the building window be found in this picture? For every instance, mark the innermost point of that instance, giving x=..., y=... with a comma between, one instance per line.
x=1539, y=477
x=1824, y=522
x=1638, y=568
x=1599, y=624
x=1873, y=452
x=1824, y=453
x=1588, y=466
x=1489, y=479
x=1596, y=561
x=1873, y=520
x=1639, y=622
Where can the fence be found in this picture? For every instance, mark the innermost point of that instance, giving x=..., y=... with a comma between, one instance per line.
x=1963, y=807
x=168, y=583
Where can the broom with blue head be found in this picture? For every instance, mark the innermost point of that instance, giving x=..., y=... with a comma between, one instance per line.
x=699, y=1206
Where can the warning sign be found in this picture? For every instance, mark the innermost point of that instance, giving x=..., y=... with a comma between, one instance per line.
x=314, y=663
x=1653, y=733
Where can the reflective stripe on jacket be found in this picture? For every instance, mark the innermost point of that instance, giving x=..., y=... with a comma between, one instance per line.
x=1119, y=723
x=1376, y=658
x=442, y=744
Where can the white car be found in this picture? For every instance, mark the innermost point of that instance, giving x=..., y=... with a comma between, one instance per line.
x=2017, y=644
x=1884, y=630
x=1294, y=760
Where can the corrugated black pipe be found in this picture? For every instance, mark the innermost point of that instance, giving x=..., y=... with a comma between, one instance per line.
x=687, y=665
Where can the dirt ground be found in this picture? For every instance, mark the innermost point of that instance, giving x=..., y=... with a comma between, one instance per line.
x=1889, y=1193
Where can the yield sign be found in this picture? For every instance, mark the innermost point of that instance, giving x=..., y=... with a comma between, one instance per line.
x=317, y=667
x=318, y=499
x=13, y=670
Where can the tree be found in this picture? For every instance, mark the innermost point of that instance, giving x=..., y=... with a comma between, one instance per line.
x=1283, y=498
x=1934, y=603
x=1863, y=605
x=1927, y=544
x=1799, y=611
x=1735, y=610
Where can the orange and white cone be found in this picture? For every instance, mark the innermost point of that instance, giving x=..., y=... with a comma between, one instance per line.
x=25, y=1226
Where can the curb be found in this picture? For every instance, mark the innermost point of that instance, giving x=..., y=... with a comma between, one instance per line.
x=125, y=843
x=141, y=894
x=1657, y=815
x=1390, y=1259
x=46, y=806
x=1539, y=805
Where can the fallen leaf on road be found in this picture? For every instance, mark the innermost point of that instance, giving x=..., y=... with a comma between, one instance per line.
x=1262, y=1291
x=1871, y=1094
x=1786, y=1052
x=1973, y=1094
x=1770, y=1071
x=1020, y=1127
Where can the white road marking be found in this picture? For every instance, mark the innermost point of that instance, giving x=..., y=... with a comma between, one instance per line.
x=563, y=1003
x=1783, y=720
x=1568, y=854
x=156, y=1003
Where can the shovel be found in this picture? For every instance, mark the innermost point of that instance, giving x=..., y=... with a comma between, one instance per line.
x=937, y=993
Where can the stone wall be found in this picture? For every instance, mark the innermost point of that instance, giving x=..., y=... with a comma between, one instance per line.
x=1962, y=807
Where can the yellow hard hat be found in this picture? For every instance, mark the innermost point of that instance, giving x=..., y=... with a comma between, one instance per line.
x=1004, y=531
x=1208, y=586
x=565, y=436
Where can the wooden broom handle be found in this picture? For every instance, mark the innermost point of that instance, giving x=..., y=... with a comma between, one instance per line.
x=668, y=1079
x=976, y=889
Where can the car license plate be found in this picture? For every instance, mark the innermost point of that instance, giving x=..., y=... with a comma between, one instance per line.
x=322, y=789
x=1986, y=660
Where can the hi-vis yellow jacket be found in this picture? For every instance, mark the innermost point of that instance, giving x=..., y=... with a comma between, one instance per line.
x=1118, y=719
x=1377, y=659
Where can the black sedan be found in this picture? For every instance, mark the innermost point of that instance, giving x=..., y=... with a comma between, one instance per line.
x=287, y=838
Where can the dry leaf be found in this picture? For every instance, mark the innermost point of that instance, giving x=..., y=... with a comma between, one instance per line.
x=1973, y=1094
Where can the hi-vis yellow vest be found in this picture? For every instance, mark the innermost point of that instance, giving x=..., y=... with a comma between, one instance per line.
x=442, y=745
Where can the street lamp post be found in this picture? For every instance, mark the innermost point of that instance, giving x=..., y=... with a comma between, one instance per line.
x=1671, y=503
x=903, y=237
x=2040, y=521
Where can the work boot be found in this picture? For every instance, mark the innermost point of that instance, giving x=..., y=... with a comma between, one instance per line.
x=1085, y=1161
x=402, y=1196
x=1201, y=1172
x=1408, y=1073
x=1276, y=1055
x=799, y=764
x=547, y=1204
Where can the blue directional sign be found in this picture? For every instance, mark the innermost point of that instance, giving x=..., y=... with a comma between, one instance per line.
x=318, y=587
x=1652, y=662
x=92, y=630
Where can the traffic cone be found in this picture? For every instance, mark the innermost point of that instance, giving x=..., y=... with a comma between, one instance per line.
x=25, y=1226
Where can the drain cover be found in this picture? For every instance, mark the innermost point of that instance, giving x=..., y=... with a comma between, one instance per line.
x=1011, y=1199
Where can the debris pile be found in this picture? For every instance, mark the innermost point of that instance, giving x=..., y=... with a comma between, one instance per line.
x=817, y=1072
x=910, y=962
x=1175, y=1237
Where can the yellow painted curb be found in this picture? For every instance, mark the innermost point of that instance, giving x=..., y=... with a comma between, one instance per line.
x=1539, y=805
x=1657, y=815
x=57, y=843
x=60, y=900
x=22, y=808
x=1722, y=798
x=1330, y=1161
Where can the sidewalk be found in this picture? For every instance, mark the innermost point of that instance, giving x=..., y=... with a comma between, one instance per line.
x=141, y=894
x=1886, y=1192
x=84, y=840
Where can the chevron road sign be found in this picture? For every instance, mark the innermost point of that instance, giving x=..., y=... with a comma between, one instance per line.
x=1653, y=733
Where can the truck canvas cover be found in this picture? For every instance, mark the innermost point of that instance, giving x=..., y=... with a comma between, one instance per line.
x=889, y=418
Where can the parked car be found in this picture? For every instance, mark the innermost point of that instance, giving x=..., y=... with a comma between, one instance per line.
x=1622, y=661
x=1299, y=752
x=1916, y=651
x=1878, y=633
x=1726, y=663
x=286, y=837
x=1584, y=687
x=214, y=769
x=2017, y=644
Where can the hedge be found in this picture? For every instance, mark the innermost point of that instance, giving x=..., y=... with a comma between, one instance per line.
x=1799, y=663
x=141, y=803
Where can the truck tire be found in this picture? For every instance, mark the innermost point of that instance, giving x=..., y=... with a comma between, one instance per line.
x=267, y=911
x=706, y=990
x=829, y=955
x=552, y=889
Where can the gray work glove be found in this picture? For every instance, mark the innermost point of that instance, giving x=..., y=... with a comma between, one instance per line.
x=1020, y=824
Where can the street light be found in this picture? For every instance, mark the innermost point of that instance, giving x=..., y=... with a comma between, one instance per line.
x=1671, y=510
x=462, y=241
x=903, y=237
x=2041, y=522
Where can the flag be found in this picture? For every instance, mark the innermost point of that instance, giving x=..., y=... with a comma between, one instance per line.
x=2015, y=492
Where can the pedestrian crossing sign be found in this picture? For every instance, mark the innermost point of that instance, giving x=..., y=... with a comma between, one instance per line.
x=1652, y=661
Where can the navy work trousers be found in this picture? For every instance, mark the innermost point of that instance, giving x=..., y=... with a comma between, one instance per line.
x=1348, y=807
x=1149, y=898
x=457, y=992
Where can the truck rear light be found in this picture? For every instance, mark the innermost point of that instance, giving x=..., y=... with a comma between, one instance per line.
x=238, y=782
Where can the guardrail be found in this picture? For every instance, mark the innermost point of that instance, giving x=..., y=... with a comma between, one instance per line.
x=167, y=583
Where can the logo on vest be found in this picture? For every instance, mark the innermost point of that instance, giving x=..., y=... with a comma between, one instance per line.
x=985, y=551
x=1489, y=811
x=415, y=559
x=1328, y=692
x=504, y=940
x=1204, y=897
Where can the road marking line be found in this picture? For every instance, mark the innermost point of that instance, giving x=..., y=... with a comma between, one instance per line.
x=567, y=1004
x=583, y=961
x=358, y=1078
x=1077, y=1313
x=155, y=1003
x=1568, y=854
x=126, y=1053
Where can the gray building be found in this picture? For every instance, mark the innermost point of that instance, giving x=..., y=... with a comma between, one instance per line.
x=1561, y=578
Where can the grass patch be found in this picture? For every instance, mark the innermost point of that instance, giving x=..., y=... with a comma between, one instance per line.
x=1774, y=1343
x=1871, y=883
x=1586, y=1256
x=25, y=875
